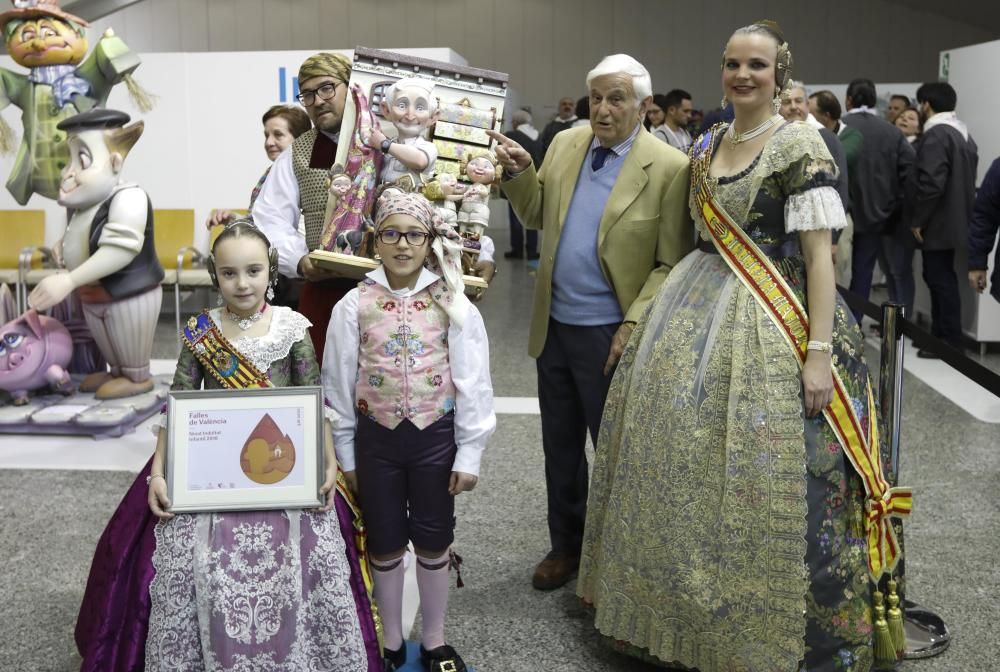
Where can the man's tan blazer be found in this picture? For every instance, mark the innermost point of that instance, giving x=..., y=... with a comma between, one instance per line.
x=645, y=230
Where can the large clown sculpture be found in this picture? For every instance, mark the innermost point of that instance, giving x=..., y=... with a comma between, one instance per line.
x=52, y=44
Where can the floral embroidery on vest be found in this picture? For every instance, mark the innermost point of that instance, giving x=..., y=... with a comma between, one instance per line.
x=403, y=368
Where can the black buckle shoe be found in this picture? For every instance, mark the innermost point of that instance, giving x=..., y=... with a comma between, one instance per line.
x=394, y=659
x=442, y=659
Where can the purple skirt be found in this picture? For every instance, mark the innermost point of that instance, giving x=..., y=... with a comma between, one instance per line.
x=113, y=622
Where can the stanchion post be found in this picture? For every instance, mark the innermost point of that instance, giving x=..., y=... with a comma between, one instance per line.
x=890, y=390
x=926, y=633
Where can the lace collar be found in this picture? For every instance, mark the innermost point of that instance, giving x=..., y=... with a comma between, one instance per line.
x=286, y=329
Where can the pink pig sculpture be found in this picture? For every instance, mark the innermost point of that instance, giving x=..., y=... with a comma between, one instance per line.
x=34, y=352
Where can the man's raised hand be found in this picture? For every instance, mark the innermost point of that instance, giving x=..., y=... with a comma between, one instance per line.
x=513, y=157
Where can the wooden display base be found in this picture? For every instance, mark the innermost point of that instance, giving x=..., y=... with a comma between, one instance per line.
x=356, y=268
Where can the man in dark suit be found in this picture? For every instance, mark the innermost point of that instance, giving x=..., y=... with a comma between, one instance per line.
x=876, y=185
x=940, y=195
x=561, y=122
x=519, y=121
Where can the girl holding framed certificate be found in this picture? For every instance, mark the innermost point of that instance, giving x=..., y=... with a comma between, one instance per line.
x=240, y=583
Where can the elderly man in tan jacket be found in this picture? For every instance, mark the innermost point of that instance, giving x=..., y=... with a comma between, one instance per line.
x=611, y=202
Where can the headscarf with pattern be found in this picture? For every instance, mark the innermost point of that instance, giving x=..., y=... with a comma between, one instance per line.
x=326, y=64
x=445, y=257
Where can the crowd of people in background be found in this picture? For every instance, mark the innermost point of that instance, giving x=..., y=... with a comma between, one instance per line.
x=906, y=178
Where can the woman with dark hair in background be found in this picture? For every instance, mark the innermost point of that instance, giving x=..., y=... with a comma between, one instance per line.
x=655, y=115
x=282, y=124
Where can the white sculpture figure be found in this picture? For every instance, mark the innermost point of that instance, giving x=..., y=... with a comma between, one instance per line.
x=483, y=171
x=450, y=194
x=109, y=253
x=411, y=107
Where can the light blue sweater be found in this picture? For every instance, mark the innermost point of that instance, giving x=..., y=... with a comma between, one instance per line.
x=581, y=294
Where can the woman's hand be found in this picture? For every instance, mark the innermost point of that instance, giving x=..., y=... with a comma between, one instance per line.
x=219, y=217
x=817, y=383
x=328, y=491
x=461, y=482
x=157, y=498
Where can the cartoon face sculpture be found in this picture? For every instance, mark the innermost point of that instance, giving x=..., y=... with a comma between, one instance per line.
x=340, y=185
x=45, y=40
x=34, y=352
x=481, y=170
x=410, y=106
x=448, y=183
x=93, y=171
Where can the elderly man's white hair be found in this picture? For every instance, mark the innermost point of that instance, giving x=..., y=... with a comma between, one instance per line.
x=424, y=85
x=520, y=117
x=795, y=84
x=618, y=64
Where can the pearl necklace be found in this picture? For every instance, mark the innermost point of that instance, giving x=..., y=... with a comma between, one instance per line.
x=737, y=138
x=245, y=323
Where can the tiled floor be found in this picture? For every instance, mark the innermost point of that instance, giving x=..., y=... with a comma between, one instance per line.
x=52, y=518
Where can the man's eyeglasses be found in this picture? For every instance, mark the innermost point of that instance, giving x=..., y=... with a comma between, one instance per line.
x=325, y=92
x=413, y=238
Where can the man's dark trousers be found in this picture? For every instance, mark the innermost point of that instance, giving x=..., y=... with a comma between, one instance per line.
x=946, y=304
x=517, y=235
x=572, y=389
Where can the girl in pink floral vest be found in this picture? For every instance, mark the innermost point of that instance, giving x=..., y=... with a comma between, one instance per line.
x=406, y=370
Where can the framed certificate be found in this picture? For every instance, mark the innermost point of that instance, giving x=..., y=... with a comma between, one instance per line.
x=253, y=449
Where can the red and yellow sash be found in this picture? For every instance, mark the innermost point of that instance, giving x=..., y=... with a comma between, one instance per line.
x=771, y=291
x=224, y=362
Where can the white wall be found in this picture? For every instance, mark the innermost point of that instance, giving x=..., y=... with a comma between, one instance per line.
x=972, y=71
x=547, y=46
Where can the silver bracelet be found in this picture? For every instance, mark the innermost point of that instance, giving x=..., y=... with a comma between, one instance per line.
x=149, y=479
x=820, y=346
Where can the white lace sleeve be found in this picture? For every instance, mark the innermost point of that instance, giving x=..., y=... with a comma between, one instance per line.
x=814, y=210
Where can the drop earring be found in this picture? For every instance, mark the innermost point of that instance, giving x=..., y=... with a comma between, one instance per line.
x=219, y=301
x=776, y=104
x=724, y=102
x=270, y=293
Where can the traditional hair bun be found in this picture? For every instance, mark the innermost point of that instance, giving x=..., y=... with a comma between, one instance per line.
x=772, y=26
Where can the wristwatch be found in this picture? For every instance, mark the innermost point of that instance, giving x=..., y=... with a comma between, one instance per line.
x=385, y=145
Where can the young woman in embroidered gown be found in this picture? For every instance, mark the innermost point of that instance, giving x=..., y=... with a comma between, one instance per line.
x=724, y=528
x=406, y=369
x=270, y=590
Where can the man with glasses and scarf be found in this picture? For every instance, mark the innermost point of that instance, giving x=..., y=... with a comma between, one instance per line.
x=297, y=184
